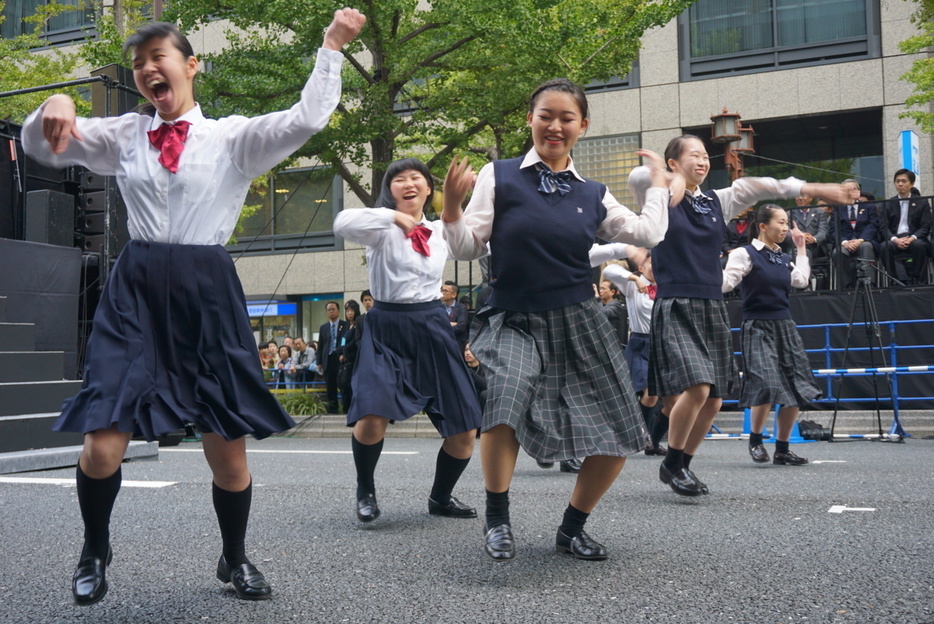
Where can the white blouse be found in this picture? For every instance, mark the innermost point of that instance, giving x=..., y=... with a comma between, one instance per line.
x=638, y=304
x=738, y=266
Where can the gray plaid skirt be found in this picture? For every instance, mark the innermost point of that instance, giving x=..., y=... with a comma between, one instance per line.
x=775, y=366
x=559, y=379
x=690, y=345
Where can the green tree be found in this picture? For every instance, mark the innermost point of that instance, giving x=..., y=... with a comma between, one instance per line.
x=922, y=70
x=423, y=79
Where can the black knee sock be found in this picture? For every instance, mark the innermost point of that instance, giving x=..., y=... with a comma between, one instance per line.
x=233, y=513
x=659, y=425
x=755, y=439
x=448, y=470
x=674, y=460
x=781, y=447
x=573, y=523
x=687, y=461
x=96, y=499
x=365, y=458
x=497, y=508
x=647, y=415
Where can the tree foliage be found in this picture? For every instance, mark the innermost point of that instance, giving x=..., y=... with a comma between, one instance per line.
x=422, y=79
x=922, y=70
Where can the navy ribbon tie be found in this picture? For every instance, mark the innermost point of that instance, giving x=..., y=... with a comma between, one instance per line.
x=549, y=181
x=701, y=204
x=775, y=257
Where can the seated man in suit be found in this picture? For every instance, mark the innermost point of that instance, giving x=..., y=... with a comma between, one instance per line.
x=907, y=225
x=814, y=222
x=456, y=311
x=856, y=226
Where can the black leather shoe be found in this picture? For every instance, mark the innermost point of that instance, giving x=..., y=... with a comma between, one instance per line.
x=700, y=484
x=454, y=509
x=89, y=584
x=581, y=547
x=759, y=454
x=571, y=465
x=655, y=450
x=367, y=509
x=788, y=459
x=545, y=465
x=500, y=544
x=680, y=482
x=248, y=582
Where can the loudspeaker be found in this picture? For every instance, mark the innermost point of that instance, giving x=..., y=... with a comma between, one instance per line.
x=50, y=218
x=121, y=101
x=93, y=200
x=91, y=222
x=92, y=243
x=90, y=181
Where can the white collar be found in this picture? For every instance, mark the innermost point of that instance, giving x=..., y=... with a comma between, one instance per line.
x=193, y=117
x=758, y=244
x=532, y=158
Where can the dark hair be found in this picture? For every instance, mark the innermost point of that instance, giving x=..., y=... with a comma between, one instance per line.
x=269, y=342
x=564, y=86
x=676, y=147
x=336, y=305
x=385, y=199
x=915, y=191
x=159, y=30
x=764, y=215
x=353, y=305
x=287, y=348
x=869, y=196
x=366, y=293
x=457, y=289
x=905, y=172
x=613, y=288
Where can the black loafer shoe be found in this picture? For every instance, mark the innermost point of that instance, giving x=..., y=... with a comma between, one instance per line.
x=759, y=454
x=680, y=482
x=788, y=459
x=581, y=547
x=655, y=450
x=248, y=582
x=571, y=465
x=367, y=509
x=454, y=509
x=89, y=584
x=500, y=544
x=700, y=484
x=545, y=465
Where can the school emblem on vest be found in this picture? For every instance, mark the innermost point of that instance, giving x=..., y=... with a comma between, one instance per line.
x=580, y=210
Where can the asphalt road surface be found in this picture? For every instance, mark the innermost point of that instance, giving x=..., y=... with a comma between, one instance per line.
x=845, y=539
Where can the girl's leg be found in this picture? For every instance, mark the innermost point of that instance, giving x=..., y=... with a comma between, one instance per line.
x=453, y=457
x=759, y=414
x=367, y=445
x=702, y=424
x=597, y=474
x=786, y=422
x=499, y=450
x=683, y=410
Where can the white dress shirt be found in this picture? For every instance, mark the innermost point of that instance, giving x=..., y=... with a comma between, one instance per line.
x=638, y=304
x=903, y=206
x=738, y=266
x=604, y=253
x=200, y=204
x=468, y=236
x=398, y=273
x=746, y=192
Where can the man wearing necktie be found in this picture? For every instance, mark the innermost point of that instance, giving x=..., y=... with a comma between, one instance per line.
x=813, y=222
x=856, y=226
x=457, y=312
x=907, y=222
x=329, y=338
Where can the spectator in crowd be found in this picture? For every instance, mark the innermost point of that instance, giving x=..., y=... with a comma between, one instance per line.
x=813, y=222
x=303, y=362
x=734, y=236
x=286, y=376
x=266, y=360
x=906, y=227
x=366, y=298
x=457, y=312
x=347, y=351
x=856, y=226
x=329, y=338
x=287, y=341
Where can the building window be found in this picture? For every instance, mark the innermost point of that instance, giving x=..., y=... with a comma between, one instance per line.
x=615, y=83
x=297, y=211
x=65, y=27
x=609, y=160
x=723, y=37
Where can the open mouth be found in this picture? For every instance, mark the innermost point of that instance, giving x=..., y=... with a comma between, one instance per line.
x=410, y=196
x=159, y=89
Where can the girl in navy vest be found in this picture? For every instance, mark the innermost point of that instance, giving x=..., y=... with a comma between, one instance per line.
x=775, y=365
x=408, y=359
x=172, y=342
x=557, y=383
x=691, y=354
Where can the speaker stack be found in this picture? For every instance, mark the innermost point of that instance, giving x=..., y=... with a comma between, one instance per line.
x=91, y=223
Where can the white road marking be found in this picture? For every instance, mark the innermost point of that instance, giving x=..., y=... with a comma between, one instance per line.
x=828, y=461
x=174, y=450
x=841, y=508
x=50, y=481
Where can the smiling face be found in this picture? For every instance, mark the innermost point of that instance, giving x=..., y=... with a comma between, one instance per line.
x=774, y=232
x=165, y=77
x=692, y=163
x=557, y=122
x=410, y=190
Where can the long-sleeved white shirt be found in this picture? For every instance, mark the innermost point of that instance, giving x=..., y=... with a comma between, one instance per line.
x=200, y=204
x=738, y=266
x=639, y=305
x=468, y=236
x=398, y=273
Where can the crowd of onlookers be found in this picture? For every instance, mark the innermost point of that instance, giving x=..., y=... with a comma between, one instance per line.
x=884, y=242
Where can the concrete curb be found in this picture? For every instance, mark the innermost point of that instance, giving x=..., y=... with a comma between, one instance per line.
x=62, y=457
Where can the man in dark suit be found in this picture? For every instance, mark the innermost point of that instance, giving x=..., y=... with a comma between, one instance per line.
x=457, y=312
x=329, y=339
x=907, y=225
x=813, y=222
x=856, y=226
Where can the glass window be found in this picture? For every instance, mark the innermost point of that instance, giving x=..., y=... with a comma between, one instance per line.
x=66, y=26
x=609, y=160
x=728, y=26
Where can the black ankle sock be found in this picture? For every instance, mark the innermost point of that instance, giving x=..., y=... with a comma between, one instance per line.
x=755, y=439
x=659, y=425
x=687, y=461
x=96, y=499
x=573, y=523
x=674, y=460
x=233, y=513
x=448, y=470
x=365, y=458
x=497, y=508
x=781, y=447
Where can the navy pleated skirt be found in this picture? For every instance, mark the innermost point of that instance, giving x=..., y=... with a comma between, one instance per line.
x=171, y=344
x=409, y=361
x=637, y=359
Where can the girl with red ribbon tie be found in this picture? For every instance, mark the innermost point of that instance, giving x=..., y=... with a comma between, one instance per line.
x=409, y=359
x=171, y=341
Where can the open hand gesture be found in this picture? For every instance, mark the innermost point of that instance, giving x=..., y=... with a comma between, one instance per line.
x=457, y=183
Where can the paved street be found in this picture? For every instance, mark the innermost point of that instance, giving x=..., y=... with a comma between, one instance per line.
x=762, y=548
